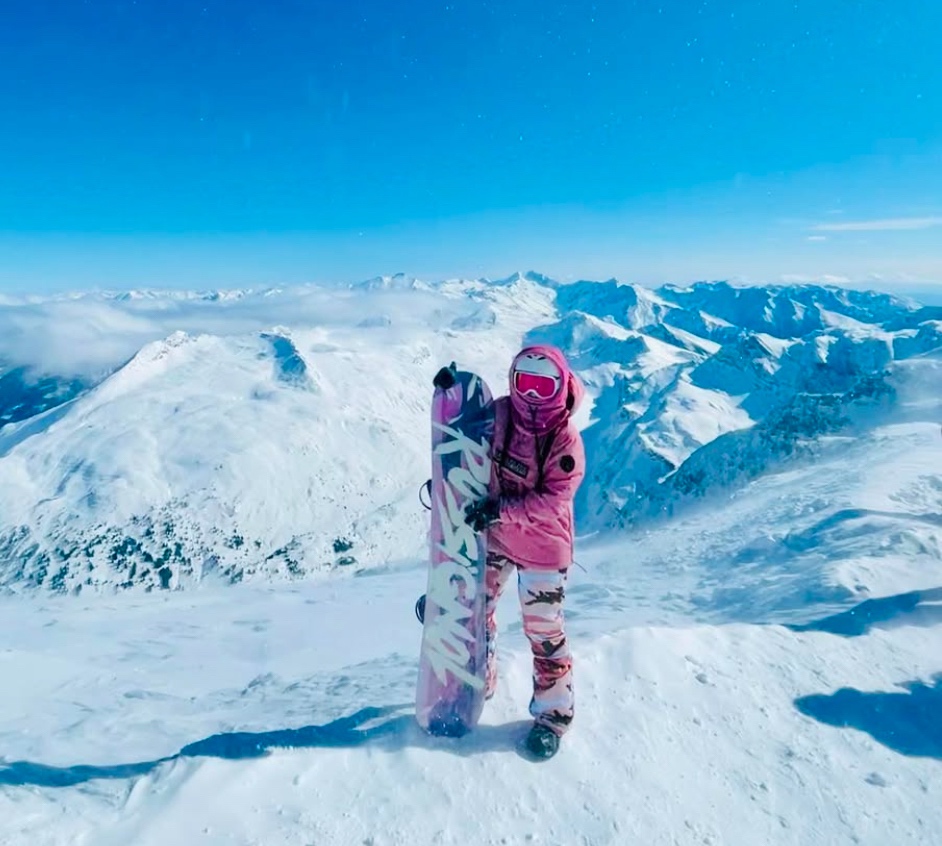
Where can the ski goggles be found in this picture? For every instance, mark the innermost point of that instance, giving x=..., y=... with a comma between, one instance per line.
x=535, y=385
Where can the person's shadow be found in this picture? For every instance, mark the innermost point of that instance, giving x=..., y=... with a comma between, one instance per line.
x=907, y=722
x=388, y=727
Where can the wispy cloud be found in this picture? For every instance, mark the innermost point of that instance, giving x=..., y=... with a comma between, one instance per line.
x=91, y=334
x=892, y=224
x=817, y=237
x=813, y=279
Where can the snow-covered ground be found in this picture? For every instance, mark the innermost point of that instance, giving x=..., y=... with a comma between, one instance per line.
x=700, y=720
x=762, y=667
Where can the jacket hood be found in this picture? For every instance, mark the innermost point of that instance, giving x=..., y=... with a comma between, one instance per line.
x=540, y=417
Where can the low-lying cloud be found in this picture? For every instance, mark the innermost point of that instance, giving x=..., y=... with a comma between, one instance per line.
x=92, y=334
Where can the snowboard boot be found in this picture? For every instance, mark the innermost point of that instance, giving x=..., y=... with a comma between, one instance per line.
x=542, y=742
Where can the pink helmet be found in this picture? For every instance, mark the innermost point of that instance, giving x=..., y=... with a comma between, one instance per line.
x=543, y=390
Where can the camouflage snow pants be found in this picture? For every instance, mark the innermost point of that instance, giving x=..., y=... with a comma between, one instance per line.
x=541, y=601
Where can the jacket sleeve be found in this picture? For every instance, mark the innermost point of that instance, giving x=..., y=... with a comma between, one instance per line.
x=562, y=474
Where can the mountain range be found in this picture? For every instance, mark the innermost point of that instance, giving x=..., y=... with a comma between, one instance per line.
x=152, y=440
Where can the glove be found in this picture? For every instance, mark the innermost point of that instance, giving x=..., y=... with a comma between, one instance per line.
x=482, y=514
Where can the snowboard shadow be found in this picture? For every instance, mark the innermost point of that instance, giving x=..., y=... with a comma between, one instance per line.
x=365, y=726
x=907, y=723
x=916, y=608
x=389, y=728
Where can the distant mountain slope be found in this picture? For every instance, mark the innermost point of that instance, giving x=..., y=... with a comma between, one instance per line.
x=280, y=433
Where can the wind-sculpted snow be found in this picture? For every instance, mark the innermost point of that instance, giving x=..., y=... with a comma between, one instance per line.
x=153, y=439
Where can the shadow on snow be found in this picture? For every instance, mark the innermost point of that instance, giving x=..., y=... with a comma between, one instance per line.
x=915, y=608
x=907, y=723
x=388, y=728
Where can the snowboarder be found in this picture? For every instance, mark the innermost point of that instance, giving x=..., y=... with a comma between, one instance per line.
x=538, y=464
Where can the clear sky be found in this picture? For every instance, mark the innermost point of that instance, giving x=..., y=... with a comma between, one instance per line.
x=168, y=142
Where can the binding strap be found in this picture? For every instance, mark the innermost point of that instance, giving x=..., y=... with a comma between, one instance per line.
x=427, y=487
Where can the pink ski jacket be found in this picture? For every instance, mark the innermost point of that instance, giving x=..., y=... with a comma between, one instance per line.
x=536, y=527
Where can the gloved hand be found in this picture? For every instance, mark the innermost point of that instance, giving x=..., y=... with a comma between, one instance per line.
x=482, y=514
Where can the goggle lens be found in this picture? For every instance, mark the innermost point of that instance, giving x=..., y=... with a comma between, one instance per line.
x=536, y=385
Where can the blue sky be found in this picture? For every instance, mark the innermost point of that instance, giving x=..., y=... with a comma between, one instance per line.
x=163, y=142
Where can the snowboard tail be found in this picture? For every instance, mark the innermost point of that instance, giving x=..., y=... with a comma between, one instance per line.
x=453, y=658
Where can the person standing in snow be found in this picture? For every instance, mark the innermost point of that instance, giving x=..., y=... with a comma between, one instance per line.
x=538, y=464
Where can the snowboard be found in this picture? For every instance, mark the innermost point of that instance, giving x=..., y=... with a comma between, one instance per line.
x=453, y=656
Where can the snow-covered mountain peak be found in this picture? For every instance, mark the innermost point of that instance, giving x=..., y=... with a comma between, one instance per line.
x=283, y=433
x=629, y=305
x=522, y=276
x=396, y=282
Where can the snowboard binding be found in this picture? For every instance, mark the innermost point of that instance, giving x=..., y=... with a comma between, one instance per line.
x=446, y=377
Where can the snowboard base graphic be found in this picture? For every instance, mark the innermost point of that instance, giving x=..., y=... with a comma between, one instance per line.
x=453, y=657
